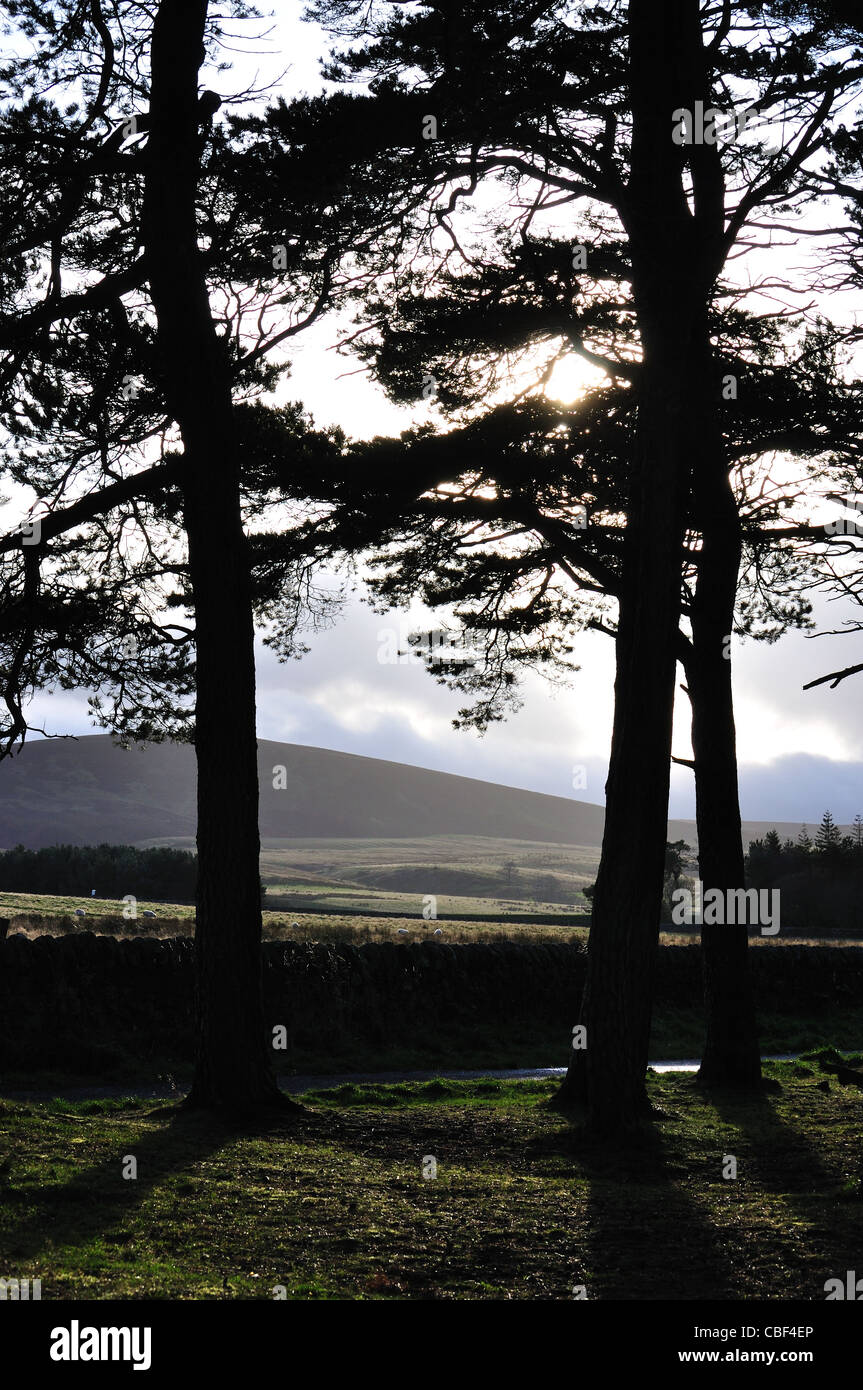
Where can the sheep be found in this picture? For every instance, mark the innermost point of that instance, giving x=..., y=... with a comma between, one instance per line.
x=437, y=932
x=147, y=913
x=402, y=931
x=80, y=912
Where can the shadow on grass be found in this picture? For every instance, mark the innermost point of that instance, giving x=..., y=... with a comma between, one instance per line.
x=822, y=1226
x=645, y=1235
x=622, y=1219
x=629, y=1220
x=97, y=1199
x=784, y=1159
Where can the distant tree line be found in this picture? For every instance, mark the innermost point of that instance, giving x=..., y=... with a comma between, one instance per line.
x=155, y=875
x=819, y=879
x=772, y=858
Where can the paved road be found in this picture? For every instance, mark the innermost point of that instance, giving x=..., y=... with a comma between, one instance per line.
x=296, y=1085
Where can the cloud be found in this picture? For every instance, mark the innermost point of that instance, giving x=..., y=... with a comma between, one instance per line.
x=801, y=787
x=343, y=696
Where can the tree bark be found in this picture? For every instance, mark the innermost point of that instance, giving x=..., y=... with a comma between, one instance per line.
x=675, y=257
x=233, y=1069
x=732, y=1055
x=609, y=1074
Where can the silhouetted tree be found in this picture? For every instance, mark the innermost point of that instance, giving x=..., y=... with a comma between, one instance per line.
x=828, y=837
x=571, y=146
x=139, y=214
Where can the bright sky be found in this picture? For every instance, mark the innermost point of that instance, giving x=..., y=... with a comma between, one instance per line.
x=800, y=752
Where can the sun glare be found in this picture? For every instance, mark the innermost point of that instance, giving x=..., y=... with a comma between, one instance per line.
x=572, y=378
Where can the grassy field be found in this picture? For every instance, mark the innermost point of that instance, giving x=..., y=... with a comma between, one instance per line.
x=21, y=908
x=33, y=914
x=468, y=874
x=340, y=889
x=334, y=1205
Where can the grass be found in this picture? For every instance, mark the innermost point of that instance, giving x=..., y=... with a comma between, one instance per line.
x=334, y=1204
x=471, y=876
x=20, y=906
x=35, y=914
x=676, y=1034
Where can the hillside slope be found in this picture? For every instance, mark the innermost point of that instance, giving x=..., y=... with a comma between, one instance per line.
x=87, y=791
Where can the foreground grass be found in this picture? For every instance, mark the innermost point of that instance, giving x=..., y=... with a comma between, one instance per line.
x=334, y=1204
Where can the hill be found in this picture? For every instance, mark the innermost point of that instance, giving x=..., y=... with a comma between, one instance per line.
x=89, y=791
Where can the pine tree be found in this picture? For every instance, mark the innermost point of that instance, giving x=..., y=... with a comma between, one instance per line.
x=828, y=838
x=671, y=57
x=91, y=374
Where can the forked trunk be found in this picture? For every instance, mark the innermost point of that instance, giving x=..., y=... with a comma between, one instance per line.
x=676, y=254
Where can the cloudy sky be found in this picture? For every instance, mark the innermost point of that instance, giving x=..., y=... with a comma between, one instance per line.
x=800, y=752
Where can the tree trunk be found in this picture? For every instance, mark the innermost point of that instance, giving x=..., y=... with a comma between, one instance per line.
x=675, y=256
x=732, y=1056
x=233, y=1064
x=608, y=1075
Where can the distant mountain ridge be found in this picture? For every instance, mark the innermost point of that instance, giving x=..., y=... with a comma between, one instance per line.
x=88, y=791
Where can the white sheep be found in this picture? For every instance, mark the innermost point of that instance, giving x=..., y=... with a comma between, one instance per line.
x=402, y=931
x=80, y=912
x=147, y=913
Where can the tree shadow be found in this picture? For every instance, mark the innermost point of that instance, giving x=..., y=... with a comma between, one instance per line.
x=634, y=1231
x=793, y=1163
x=97, y=1199
x=821, y=1228
x=646, y=1236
